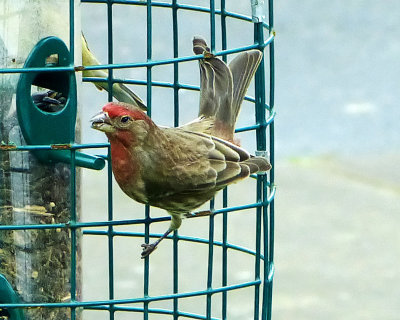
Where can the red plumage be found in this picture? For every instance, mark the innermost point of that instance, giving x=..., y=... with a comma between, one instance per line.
x=119, y=109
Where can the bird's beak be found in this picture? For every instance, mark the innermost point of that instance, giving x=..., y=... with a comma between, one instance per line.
x=102, y=122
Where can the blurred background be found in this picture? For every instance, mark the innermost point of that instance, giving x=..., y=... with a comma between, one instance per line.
x=337, y=246
x=338, y=170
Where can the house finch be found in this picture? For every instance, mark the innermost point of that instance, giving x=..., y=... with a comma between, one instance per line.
x=120, y=92
x=179, y=169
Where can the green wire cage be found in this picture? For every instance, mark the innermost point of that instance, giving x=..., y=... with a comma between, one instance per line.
x=224, y=270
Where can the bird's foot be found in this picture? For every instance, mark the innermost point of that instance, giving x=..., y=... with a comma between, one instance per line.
x=150, y=247
x=147, y=249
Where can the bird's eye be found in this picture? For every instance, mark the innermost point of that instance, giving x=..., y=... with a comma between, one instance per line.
x=125, y=119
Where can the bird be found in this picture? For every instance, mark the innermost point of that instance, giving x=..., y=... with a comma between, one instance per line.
x=120, y=91
x=179, y=169
x=49, y=100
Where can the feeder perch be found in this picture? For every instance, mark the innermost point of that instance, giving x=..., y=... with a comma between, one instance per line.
x=57, y=128
x=7, y=295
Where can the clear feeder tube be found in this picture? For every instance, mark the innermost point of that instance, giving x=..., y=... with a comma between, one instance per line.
x=36, y=262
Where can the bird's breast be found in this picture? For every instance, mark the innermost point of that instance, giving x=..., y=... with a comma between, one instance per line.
x=126, y=171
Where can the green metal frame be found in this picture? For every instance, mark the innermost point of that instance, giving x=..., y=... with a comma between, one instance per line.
x=264, y=206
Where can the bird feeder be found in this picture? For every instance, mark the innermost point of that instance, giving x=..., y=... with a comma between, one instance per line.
x=40, y=232
x=38, y=177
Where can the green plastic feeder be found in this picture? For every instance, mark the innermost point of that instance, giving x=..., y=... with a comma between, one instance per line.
x=56, y=129
x=7, y=295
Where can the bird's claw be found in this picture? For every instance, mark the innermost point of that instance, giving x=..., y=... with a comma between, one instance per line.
x=147, y=249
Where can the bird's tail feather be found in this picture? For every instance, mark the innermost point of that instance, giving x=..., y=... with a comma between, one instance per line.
x=223, y=88
x=243, y=68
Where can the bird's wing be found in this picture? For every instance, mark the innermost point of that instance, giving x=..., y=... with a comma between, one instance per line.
x=198, y=162
x=188, y=168
x=200, y=124
x=258, y=164
x=228, y=152
x=123, y=94
x=120, y=91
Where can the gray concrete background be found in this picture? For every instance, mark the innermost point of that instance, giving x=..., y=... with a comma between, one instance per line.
x=337, y=246
x=337, y=147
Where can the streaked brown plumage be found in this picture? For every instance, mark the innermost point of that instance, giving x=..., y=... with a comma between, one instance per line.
x=179, y=169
